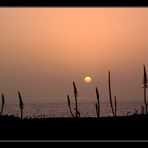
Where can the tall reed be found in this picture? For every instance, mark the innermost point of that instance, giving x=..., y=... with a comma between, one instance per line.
x=77, y=113
x=145, y=81
x=97, y=103
x=21, y=104
x=3, y=103
x=115, y=100
x=76, y=101
x=69, y=104
x=110, y=93
x=142, y=110
x=113, y=108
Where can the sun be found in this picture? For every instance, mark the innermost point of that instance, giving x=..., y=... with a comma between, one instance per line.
x=87, y=79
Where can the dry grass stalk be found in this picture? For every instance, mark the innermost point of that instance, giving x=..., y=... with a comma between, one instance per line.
x=3, y=103
x=98, y=103
x=21, y=104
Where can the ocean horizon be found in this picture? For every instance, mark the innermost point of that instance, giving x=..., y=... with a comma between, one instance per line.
x=61, y=109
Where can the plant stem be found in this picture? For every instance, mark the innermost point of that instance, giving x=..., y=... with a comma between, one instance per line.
x=98, y=103
x=115, y=106
x=110, y=95
x=145, y=102
x=70, y=106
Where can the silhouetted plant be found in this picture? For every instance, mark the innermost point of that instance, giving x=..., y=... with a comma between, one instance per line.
x=128, y=113
x=115, y=106
x=77, y=113
x=76, y=101
x=145, y=81
x=142, y=110
x=21, y=105
x=3, y=103
x=135, y=111
x=97, y=103
x=114, y=110
x=69, y=104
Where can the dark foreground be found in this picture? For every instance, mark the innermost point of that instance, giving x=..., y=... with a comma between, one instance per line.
x=106, y=128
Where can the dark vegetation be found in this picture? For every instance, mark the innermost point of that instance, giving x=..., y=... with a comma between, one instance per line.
x=98, y=103
x=3, y=102
x=104, y=128
x=130, y=127
x=110, y=97
x=145, y=81
x=77, y=113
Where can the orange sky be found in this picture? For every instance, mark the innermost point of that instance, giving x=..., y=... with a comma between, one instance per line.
x=42, y=50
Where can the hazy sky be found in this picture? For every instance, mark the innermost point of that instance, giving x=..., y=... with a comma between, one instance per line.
x=42, y=50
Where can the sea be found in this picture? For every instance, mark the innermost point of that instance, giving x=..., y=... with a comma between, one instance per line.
x=61, y=109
